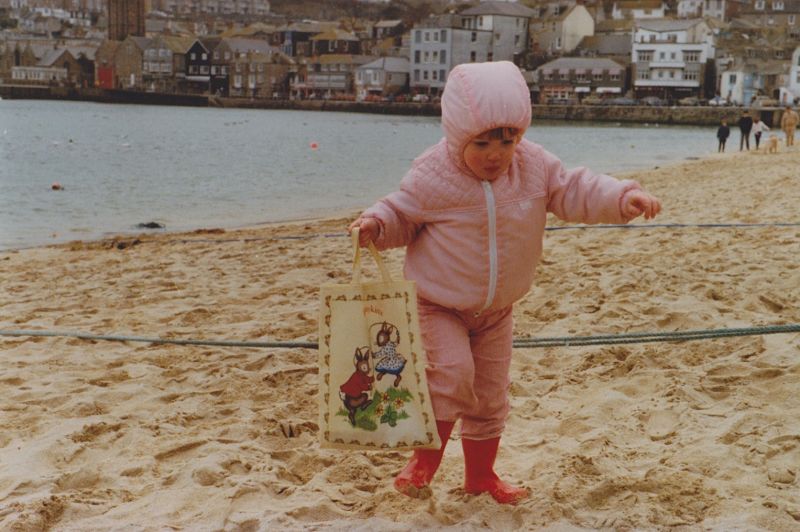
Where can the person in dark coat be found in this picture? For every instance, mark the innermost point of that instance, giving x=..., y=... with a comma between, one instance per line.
x=723, y=132
x=745, y=126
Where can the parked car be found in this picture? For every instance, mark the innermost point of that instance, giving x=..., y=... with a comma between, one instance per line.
x=690, y=100
x=622, y=100
x=653, y=101
x=593, y=100
x=719, y=101
x=420, y=98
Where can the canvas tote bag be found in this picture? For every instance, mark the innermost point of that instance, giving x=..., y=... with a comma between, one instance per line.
x=373, y=390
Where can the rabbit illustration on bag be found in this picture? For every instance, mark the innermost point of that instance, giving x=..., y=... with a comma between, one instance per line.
x=387, y=357
x=355, y=392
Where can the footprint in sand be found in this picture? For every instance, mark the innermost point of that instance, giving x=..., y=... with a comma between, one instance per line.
x=661, y=424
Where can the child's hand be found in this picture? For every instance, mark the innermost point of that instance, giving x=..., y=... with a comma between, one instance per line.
x=638, y=202
x=369, y=230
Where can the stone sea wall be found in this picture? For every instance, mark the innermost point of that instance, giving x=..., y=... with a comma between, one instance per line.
x=677, y=115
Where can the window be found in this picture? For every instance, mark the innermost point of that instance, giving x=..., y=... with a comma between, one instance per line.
x=791, y=20
x=204, y=69
x=564, y=75
x=690, y=75
x=548, y=75
x=204, y=56
x=418, y=36
x=672, y=56
x=760, y=5
x=434, y=75
x=777, y=5
x=416, y=56
x=443, y=36
x=435, y=56
x=442, y=75
x=644, y=74
x=227, y=55
x=516, y=40
x=558, y=43
x=598, y=76
x=193, y=56
x=426, y=57
x=672, y=74
x=213, y=71
x=224, y=70
x=474, y=36
x=645, y=55
x=472, y=56
x=580, y=77
x=216, y=55
x=427, y=37
x=691, y=57
x=425, y=75
x=660, y=73
x=662, y=55
x=613, y=76
x=443, y=57
x=435, y=36
x=376, y=76
x=416, y=75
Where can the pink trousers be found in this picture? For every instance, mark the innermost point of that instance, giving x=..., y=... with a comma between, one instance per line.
x=468, y=367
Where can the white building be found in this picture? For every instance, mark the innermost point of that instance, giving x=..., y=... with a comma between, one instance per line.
x=563, y=33
x=669, y=57
x=792, y=89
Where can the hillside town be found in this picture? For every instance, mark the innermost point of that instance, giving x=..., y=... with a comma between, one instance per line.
x=654, y=52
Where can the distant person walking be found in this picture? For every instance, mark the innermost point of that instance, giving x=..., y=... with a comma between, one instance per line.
x=758, y=128
x=745, y=125
x=723, y=132
x=789, y=122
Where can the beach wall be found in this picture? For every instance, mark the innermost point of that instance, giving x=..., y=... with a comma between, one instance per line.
x=677, y=115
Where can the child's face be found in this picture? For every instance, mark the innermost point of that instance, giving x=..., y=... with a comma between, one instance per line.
x=488, y=158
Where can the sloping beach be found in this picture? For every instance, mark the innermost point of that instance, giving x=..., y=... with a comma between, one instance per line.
x=705, y=434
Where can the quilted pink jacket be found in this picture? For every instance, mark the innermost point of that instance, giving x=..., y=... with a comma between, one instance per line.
x=473, y=245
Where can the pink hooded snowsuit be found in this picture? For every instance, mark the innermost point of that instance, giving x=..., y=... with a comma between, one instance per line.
x=473, y=245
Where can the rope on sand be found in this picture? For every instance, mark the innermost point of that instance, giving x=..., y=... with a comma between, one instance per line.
x=550, y=228
x=529, y=342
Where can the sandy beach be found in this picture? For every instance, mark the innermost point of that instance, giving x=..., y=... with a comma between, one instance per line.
x=698, y=435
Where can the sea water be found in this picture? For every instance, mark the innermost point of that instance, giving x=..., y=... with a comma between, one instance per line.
x=187, y=168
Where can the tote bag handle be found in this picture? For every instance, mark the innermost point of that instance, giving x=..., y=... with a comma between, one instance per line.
x=357, y=260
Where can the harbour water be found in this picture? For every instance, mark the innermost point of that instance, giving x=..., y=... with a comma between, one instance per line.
x=187, y=168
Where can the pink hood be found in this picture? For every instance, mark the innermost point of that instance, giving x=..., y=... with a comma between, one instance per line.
x=482, y=96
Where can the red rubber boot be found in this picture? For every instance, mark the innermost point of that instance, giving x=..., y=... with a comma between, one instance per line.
x=413, y=480
x=479, y=456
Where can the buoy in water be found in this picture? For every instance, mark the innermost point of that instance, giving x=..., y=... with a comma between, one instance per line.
x=57, y=186
x=313, y=145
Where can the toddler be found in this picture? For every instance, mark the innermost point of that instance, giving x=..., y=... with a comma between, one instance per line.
x=471, y=212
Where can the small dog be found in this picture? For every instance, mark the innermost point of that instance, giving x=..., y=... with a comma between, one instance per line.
x=772, y=144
